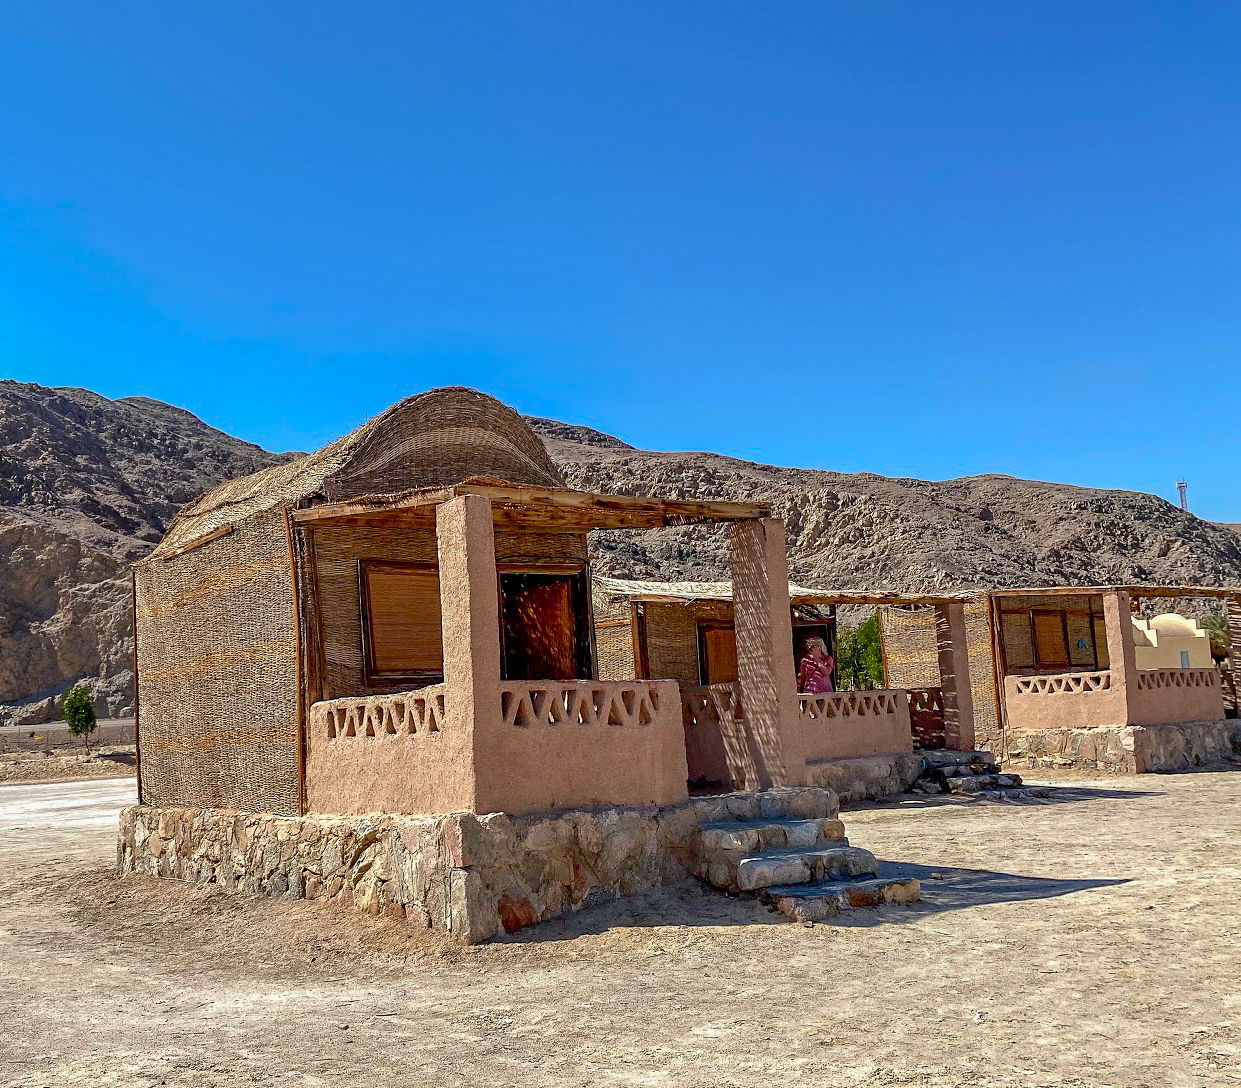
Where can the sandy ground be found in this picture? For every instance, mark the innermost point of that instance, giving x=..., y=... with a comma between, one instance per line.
x=1092, y=941
x=68, y=763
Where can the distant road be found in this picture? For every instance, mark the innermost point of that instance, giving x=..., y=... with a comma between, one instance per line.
x=107, y=731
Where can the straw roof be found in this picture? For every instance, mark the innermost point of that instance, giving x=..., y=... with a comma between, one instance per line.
x=723, y=591
x=434, y=439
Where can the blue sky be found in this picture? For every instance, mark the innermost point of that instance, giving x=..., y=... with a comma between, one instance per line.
x=922, y=240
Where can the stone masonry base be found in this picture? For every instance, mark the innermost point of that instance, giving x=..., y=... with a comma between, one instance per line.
x=868, y=778
x=469, y=876
x=1131, y=749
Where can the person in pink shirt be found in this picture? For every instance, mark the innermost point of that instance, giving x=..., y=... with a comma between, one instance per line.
x=814, y=677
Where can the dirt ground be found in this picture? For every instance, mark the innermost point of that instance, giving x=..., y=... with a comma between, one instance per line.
x=67, y=764
x=1089, y=941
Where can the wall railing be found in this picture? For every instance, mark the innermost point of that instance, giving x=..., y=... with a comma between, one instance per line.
x=849, y=704
x=406, y=713
x=580, y=702
x=1068, y=683
x=1156, y=679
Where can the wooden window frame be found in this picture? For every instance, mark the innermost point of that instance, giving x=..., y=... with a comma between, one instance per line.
x=1064, y=613
x=579, y=569
x=371, y=676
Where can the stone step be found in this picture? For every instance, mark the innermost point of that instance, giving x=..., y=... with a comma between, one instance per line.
x=974, y=783
x=944, y=760
x=748, y=836
x=816, y=902
x=801, y=867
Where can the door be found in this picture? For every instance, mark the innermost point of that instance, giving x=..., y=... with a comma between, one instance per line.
x=544, y=626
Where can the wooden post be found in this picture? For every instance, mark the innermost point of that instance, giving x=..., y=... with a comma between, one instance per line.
x=954, y=676
x=133, y=621
x=1233, y=612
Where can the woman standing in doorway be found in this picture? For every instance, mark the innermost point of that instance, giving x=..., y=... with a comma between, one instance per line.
x=814, y=677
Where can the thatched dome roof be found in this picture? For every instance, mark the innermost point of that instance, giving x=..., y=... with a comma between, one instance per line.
x=434, y=439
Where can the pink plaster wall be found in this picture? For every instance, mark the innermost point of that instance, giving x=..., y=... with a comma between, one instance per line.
x=1168, y=705
x=535, y=764
x=883, y=729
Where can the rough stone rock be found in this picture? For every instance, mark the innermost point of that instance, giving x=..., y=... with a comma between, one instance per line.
x=1133, y=749
x=470, y=876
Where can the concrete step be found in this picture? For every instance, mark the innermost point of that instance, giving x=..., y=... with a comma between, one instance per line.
x=748, y=836
x=816, y=902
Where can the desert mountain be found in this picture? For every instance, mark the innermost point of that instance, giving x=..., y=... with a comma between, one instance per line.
x=864, y=531
x=88, y=485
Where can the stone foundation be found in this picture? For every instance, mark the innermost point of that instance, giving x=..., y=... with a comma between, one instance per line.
x=1130, y=749
x=869, y=778
x=469, y=876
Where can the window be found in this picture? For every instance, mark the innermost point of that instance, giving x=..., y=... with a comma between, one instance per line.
x=401, y=632
x=717, y=652
x=545, y=624
x=1054, y=639
x=1184, y=659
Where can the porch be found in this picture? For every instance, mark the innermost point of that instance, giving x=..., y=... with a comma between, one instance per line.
x=1092, y=632
x=481, y=592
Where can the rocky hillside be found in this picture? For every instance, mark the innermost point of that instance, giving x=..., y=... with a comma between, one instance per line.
x=87, y=485
x=865, y=531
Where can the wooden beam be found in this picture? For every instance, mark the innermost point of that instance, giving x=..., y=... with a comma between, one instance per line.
x=223, y=531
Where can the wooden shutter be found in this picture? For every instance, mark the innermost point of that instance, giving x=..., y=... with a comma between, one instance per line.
x=401, y=610
x=719, y=650
x=1049, y=640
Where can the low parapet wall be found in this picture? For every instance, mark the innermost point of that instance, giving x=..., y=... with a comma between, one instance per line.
x=1165, y=696
x=854, y=724
x=468, y=876
x=1077, y=700
x=548, y=744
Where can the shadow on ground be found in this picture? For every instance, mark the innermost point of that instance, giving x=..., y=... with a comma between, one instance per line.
x=1056, y=795
x=691, y=905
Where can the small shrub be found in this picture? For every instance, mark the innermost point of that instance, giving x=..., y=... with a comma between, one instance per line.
x=78, y=710
x=859, y=657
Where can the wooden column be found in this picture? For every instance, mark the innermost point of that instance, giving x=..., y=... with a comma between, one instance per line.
x=766, y=671
x=954, y=676
x=1121, y=656
x=470, y=618
x=1233, y=612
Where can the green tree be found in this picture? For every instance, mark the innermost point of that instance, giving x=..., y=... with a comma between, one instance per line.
x=1217, y=629
x=859, y=657
x=78, y=710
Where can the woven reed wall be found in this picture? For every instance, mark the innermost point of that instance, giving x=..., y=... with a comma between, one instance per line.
x=613, y=637
x=337, y=550
x=672, y=637
x=988, y=729
x=217, y=666
x=910, y=646
x=911, y=650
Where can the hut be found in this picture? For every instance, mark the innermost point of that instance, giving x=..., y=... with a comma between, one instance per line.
x=1056, y=677
x=685, y=631
x=401, y=622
